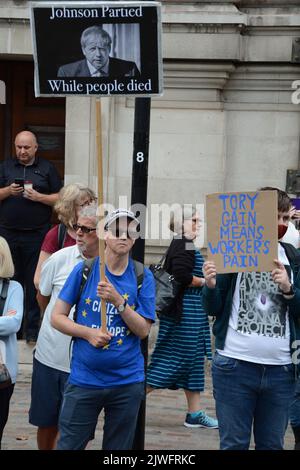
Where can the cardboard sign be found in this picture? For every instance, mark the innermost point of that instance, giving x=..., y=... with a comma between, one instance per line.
x=97, y=48
x=242, y=231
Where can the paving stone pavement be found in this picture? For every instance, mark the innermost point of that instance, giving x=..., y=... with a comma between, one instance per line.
x=165, y=414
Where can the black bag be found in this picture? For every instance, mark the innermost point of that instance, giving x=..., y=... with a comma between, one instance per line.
x=166, y=287
x=5, y=379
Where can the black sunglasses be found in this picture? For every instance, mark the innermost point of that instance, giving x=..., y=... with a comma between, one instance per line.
x=83, y=228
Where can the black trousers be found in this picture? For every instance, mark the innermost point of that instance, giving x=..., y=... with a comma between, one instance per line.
x=5, y=396
x=25, y=246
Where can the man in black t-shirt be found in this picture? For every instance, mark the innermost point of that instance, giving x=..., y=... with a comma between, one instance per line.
x=28, y=190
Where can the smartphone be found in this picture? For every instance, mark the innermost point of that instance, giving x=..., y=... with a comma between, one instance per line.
x=19, y=181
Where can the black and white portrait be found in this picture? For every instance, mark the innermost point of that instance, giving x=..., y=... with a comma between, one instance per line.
x=110, y=48
x=102, y=46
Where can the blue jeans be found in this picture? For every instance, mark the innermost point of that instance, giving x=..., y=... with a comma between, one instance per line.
x=82, y=406
x=295, y=407
x=247, y=394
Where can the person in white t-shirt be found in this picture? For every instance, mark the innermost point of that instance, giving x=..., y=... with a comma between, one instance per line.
x=256, y=327
x=51, y=364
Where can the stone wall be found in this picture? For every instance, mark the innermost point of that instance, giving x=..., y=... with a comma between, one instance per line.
x=225, y=121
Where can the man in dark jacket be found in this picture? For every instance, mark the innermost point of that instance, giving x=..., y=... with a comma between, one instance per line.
x=29, y=188
x=256, y=328
x=96, y=46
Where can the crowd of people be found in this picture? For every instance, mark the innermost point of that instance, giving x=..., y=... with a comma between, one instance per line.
x=82, y=367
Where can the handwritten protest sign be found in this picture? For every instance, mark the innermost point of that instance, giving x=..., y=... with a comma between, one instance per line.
x=97, y=48
x=242, y=231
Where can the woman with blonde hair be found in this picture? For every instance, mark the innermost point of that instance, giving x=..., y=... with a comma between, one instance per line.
x=71, y=199
x=10, y=323
x=183, y=339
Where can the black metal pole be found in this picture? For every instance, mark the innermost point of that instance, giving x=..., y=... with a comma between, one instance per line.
x=139, y=185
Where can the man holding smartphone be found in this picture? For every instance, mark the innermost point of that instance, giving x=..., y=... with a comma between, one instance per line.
x=25, y=216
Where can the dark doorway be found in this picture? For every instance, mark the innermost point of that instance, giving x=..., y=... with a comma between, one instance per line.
x=43, y=116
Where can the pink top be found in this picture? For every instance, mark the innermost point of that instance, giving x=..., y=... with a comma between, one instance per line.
x=50, y=243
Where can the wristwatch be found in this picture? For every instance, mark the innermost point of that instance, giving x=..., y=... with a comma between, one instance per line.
x=122, y=307
x=291, y=291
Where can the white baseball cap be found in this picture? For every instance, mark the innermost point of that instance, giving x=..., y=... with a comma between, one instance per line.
x=118, y=214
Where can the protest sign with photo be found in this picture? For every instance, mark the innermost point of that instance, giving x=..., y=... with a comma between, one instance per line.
x=97, y=48
x=242, y=231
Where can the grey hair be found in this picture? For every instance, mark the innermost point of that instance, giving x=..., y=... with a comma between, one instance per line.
x=186, y=212
x=90, y=211
x=95, y=30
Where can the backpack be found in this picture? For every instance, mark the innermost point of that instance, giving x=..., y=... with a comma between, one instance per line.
x=87, y=268
x=61, y=235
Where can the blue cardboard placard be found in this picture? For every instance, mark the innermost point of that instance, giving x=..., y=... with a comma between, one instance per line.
x=242, y=231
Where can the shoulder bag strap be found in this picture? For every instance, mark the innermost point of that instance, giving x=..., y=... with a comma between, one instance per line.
x=3, y=295
x=87, y=267
x=86, y=270
x=164, y=256
x=139, y=272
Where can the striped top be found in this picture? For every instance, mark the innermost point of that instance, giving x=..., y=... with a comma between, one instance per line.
x=178, y=358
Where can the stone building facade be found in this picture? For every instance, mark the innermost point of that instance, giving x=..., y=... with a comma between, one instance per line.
x=226, y=120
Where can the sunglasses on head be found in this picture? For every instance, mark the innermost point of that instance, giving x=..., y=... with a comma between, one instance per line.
x=119, y=232
x=87, y=202
x=83, y=228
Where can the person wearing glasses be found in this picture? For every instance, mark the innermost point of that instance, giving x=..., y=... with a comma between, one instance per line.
x=71, y=199
x=107, y=369
x=183, y=343
x=51, y=363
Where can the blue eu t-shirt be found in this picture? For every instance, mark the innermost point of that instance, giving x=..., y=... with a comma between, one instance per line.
x=120, y=362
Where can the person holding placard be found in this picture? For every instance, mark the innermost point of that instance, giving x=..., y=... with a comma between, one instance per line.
x=256, y=329
x=96, y=47
x=107, y=368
